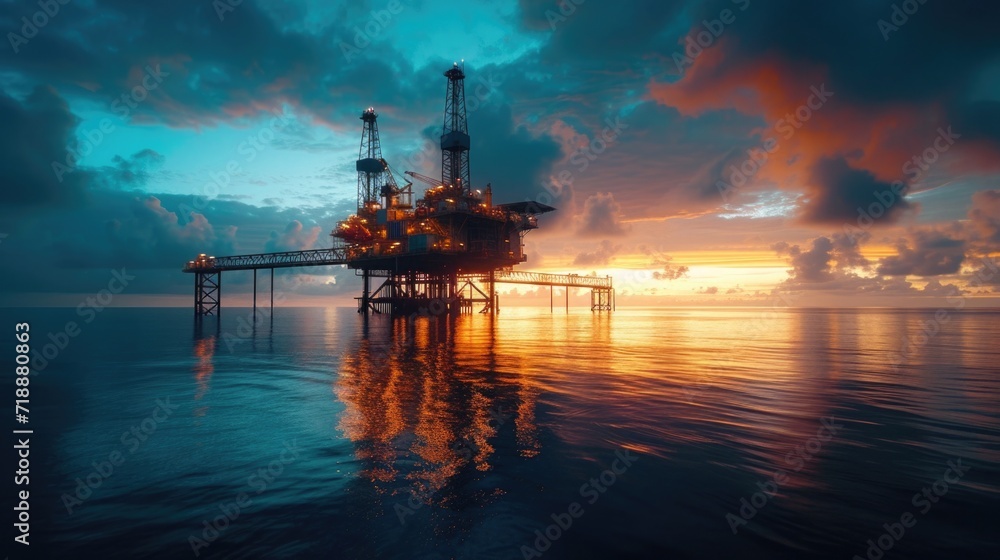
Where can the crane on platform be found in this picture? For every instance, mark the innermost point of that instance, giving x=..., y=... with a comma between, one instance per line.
x=424, y=178
x=401, y=196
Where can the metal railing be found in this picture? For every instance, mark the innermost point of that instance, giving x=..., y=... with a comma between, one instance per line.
x=313, y=257
x=545, y=279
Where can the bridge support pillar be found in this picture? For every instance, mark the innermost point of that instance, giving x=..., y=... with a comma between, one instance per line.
x=493, y=293
x=365, y=292
x=207, y=293
x=602, y=299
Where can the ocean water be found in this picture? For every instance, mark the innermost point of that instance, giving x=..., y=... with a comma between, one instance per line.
x=646, y=433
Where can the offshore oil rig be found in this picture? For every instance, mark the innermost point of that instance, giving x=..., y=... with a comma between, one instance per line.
x=444, y=252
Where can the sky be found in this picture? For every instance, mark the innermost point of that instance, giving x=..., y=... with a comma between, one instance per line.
x=730, y=152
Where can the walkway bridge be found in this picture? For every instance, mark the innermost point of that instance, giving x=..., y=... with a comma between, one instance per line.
x=208, y=277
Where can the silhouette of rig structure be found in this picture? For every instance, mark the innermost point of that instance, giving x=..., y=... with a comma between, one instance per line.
x=443, y=253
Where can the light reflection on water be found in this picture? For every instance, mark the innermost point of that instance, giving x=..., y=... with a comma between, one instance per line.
x=475, y=430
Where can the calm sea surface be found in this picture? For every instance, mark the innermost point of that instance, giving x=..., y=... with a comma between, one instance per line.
x=660, y=433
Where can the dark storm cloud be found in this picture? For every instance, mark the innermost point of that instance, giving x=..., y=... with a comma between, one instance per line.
x=512, y=158
x=598, y=30
x=932, y=254
x=893, y=90
x=143, y=232
x=135, y=230
x=36, y=133
x=935, y=54
x=215, y=70
x=828, y=259
x=812, y=265
x=839, y=194
x=979, y=120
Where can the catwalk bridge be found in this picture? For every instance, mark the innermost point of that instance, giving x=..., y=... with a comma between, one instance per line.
x=208, y=277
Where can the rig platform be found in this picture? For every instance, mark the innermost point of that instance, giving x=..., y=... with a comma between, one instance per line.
x=444, y=252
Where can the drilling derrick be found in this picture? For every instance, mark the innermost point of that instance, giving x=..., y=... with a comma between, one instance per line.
x=455, y=135
x=372, y=171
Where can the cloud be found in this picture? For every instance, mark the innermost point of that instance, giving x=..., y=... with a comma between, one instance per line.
x=839, y=194
x=670, y=272
x=598, y=31
x=601, y=217
x=663, y=263
x=132, y=172
x=37, y=132
x=294, y=238
x=936, y=288
x=710, y=290
x=881, y=113
x=154, y=236
x=505, y=153
x=601, y=256
x=984, y=217
x=812, y=265
x=932, y=254
x=838, y=253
